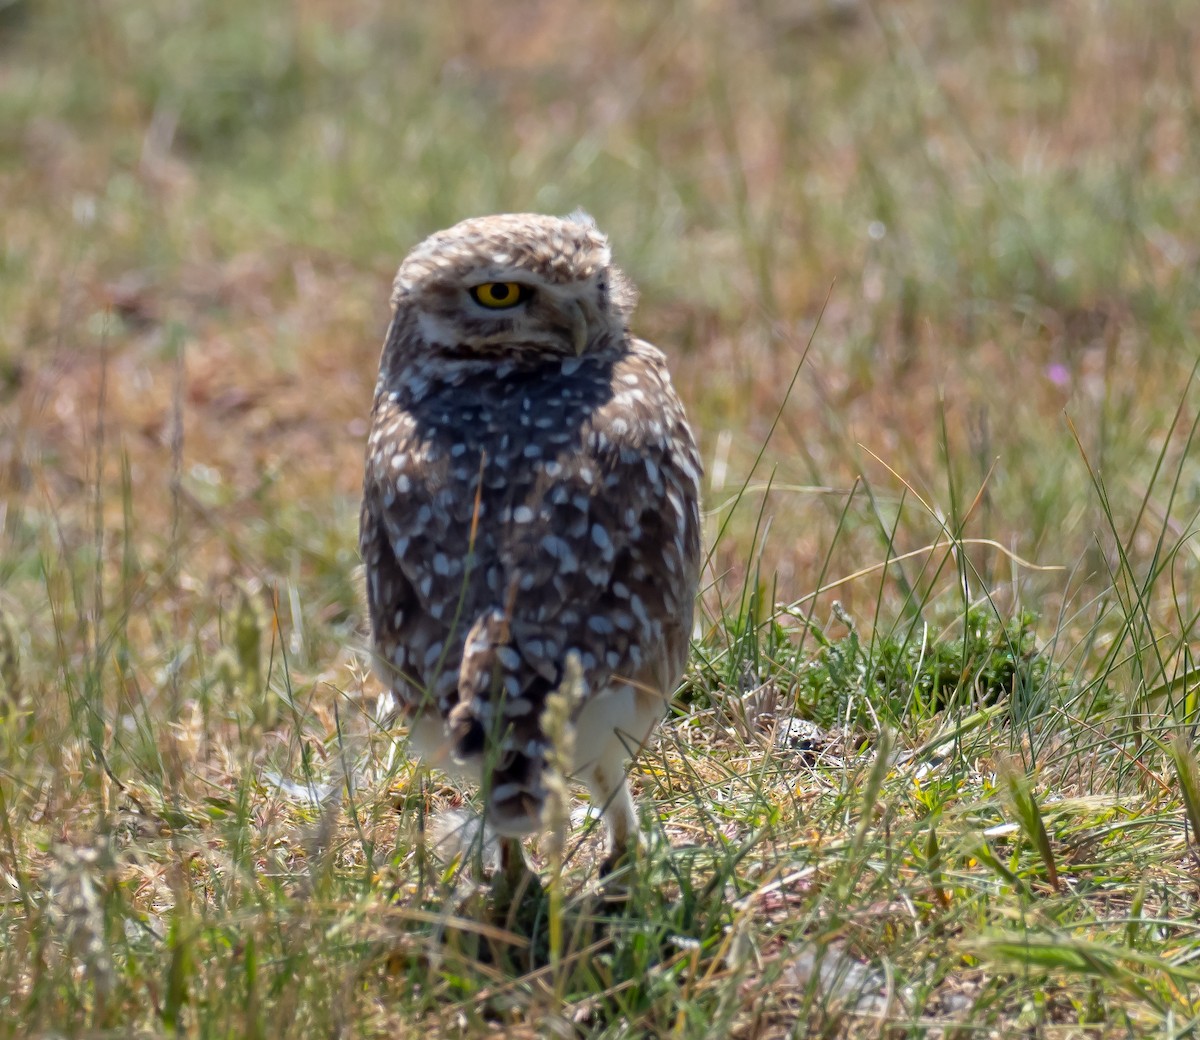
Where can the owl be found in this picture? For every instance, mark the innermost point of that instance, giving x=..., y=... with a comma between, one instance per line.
x=531, y=495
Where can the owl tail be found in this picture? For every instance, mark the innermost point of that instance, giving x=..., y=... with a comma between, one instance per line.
x=495, y=725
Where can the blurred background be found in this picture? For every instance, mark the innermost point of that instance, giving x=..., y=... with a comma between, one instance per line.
x=923, y=271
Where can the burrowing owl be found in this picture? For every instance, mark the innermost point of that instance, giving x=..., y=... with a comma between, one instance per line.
x=531, y=491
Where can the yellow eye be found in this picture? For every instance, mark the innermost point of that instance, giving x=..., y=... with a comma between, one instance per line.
x=499, y=295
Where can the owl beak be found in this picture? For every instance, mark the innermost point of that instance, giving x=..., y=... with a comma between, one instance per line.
x=579, y=327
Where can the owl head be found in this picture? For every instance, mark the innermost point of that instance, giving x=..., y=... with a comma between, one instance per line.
x=513, y=286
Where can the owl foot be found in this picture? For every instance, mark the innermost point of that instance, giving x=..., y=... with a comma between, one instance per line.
x=616, y=874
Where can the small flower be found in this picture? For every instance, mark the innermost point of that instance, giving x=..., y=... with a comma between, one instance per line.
x=1058, y=374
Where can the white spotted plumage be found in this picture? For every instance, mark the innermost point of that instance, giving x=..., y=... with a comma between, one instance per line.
x=531, y=491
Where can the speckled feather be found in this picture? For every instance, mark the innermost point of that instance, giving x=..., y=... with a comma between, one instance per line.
x=529, y=491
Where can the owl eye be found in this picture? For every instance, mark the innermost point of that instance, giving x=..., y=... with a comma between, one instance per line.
x=500, y=295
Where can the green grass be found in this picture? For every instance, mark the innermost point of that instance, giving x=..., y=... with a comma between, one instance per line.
x=927, y=275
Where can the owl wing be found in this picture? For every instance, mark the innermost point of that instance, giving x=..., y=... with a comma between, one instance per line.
x=598, y=555
x=603, y=550
x=415, y=539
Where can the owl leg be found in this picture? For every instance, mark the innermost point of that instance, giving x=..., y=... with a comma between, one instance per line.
x=609, y=790
x=513, y=867
x=515, y=886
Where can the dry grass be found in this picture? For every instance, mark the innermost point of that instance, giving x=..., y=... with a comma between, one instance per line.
x=977, y=225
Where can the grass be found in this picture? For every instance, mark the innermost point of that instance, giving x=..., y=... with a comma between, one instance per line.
x=928, y=278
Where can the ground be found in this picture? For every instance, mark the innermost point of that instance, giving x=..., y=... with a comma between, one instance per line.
x=927, y=276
